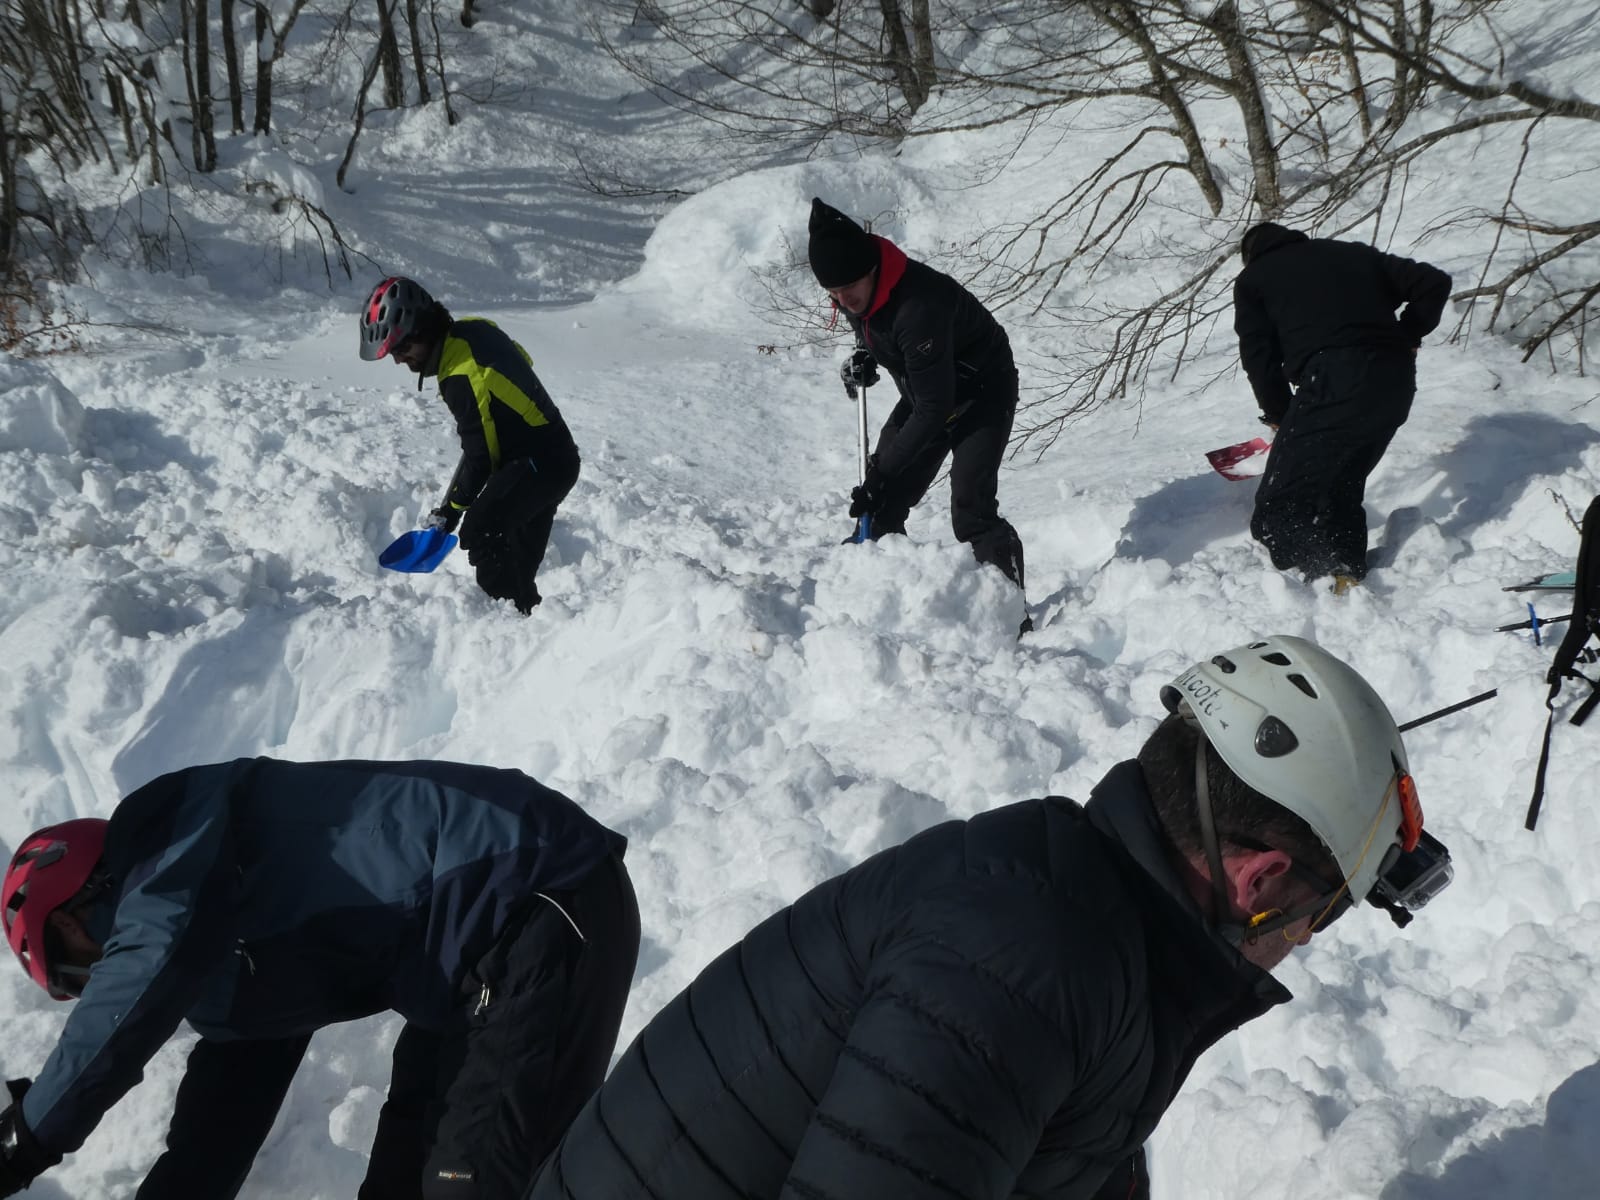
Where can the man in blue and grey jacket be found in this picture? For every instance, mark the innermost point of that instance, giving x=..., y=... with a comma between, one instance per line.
x=261, y=900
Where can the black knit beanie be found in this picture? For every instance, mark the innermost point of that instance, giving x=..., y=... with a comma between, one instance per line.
x=840, y=251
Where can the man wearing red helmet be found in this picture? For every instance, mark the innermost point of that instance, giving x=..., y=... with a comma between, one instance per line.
x=518, y=459
x=260, y=900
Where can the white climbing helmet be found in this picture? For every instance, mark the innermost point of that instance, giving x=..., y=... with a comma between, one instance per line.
x=1306, y=731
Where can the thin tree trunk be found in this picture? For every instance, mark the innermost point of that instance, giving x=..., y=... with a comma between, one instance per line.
x=268, y=52
x=1246, y=92
x=230, y=56
x=8, y=197
x=922, y=47
x=438, y=59
x=196, y=142
x=264, y=61
x=394, y=84
x=204, y=118
x=1126, y=18
x=418, y=63
x=1358, y=84
x=152, y=134
x=121, y=109
x=899, y=55
x=361, y=116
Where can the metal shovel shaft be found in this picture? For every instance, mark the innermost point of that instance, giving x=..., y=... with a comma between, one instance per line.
x=864, y=522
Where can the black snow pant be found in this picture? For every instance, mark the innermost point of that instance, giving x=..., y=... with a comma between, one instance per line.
x=507, y=527
x=229, y=1097
x=1308, y=511
x=1130, y=1181
x=472, y=1111
x=975, y=443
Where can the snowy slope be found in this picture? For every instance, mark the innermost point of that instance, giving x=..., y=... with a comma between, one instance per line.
x=189, y=529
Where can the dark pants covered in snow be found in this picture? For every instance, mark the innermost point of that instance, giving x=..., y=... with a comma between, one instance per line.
x=473, y=1111
x=507, y=528
x=1349, y=405
x=975, y=443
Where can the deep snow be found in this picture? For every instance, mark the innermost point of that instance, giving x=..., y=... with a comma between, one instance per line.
x=189, y=528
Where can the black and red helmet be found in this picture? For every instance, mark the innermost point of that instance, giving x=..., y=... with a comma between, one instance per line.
x=48, y=870
x=393, y=312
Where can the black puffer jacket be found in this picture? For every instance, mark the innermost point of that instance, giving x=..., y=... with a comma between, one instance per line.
x=942, y=347
x=999, y=1007
x=1298, y=296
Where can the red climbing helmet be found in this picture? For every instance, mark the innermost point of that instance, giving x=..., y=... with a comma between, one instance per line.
x=48, y=870
x=391, y=314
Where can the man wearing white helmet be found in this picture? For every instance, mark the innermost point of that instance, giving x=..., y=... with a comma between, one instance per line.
x=1005, y=1006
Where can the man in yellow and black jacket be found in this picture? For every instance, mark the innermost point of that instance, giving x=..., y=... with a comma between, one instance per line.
x=518, y=459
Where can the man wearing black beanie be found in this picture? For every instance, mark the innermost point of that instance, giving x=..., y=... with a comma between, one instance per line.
x=951, y=362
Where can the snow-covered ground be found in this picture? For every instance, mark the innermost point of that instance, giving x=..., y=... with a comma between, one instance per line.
x=189, y=529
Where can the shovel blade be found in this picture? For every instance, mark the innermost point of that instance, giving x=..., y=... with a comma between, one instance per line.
x=1230, y=461
x=418, y=552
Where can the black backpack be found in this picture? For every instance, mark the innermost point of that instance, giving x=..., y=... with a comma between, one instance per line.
x=1575, y=646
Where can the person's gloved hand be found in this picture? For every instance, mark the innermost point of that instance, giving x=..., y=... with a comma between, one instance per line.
x=444, y=519
x=868, y=497
x=488, y=546
x=22, y=1159
x=860, y=370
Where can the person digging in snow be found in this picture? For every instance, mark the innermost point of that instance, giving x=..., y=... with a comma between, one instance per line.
x=1005, y=1006
x=951, y=363
x=1321, y=314
x=518, y=459
x=260, y=900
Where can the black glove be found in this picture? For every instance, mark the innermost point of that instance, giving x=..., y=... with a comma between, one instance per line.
x=444, y=518
x=488, y=546
x=22, y=1159
x=868, y=498
x=859, y=370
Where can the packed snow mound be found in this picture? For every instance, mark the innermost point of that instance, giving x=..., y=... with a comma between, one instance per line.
x=40, y=413
x=708, y=257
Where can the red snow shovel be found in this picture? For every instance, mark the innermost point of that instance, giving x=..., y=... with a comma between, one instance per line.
x=1228, y=459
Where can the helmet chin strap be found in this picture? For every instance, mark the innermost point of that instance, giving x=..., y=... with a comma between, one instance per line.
x=1208, y=838
x=1232, y=931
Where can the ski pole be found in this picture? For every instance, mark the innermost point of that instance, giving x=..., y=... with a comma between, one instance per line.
x=1448, y=709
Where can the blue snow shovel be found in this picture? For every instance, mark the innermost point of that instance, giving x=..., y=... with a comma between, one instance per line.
x=419, y=551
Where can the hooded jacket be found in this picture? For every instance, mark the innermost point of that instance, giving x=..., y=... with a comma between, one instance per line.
x=999, y=1007
x=266, y=899
x=943, y=348
x=1298, y=296
x=502, y=411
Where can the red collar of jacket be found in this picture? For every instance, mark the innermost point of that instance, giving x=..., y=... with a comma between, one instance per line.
x=891, y=266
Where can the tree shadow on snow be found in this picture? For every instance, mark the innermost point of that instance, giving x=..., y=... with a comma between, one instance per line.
x=1492, y=463
x=1559, y=1160
x=135, y=441
x=1185, y=516
x=1477, y=479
